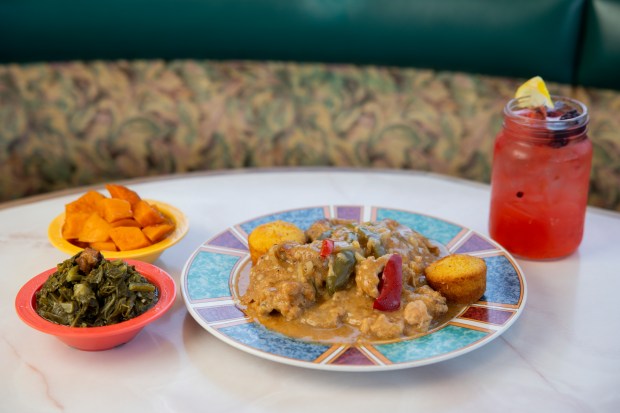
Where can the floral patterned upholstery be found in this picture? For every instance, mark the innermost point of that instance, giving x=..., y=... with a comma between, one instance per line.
x=78, y=123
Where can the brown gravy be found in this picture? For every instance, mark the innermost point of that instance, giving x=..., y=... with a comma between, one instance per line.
x=344, y=334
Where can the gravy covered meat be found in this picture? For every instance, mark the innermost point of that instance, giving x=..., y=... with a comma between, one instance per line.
x=348, y=282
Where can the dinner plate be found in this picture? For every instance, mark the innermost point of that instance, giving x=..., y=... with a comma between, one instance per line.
x=218, y=272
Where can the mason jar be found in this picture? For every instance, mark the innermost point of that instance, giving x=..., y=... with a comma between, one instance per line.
x=540, y=179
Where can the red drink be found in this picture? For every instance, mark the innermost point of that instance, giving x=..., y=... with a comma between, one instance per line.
x=540, y=179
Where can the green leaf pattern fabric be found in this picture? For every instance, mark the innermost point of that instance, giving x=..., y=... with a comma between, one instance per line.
x=79, y=123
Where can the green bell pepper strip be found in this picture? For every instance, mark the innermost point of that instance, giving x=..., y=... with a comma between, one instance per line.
x=390, y=285
x=371, y=240
x=325, y=234
x=340, y=269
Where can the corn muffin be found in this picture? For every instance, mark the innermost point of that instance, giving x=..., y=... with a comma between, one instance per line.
x=460, y=278
x=266, y=235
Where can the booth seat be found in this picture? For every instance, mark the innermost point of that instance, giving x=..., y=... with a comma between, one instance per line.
x=100, y=91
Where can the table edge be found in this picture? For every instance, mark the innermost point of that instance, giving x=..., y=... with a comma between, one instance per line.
x=242, y=171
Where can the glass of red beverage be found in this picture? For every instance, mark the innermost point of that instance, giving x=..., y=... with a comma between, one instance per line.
x=540, y=179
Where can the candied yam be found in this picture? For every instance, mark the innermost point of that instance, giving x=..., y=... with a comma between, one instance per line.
x=74, y=222
x=76, y=207
x=114, y=209
x=104, y=246
x=129, y=238
x=99, y=206
x=91, y=197
x=95, y=229
x=128, y=222
x=147, y=215
x=85, y=203
x=122, y=192
x=157, y=232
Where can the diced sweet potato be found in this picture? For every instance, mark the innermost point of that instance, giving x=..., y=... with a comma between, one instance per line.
x=128, y=222
x=104, y=246
x=74, y=222
x=122, y=192
x=99, y=206
x=91, y=197
x=95, y=229
x=146, y=214
x=129, y=238
x=157, y=232
x=91, y=218
x=114, y=209
x=85, y=203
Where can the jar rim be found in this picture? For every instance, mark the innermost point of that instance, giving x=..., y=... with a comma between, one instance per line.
x=549, y=124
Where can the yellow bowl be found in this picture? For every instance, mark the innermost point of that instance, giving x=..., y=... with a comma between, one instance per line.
x=147, y=254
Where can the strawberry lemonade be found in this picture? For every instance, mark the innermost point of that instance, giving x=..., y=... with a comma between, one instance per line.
x=541, y=171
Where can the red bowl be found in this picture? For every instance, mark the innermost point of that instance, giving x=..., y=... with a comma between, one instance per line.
x=97, y=338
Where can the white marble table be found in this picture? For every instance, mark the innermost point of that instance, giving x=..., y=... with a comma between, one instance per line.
x=562, y=354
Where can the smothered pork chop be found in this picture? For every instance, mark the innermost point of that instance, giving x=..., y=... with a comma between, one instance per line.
x=349, y=282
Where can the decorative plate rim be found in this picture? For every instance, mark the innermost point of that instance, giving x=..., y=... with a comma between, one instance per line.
x=330, y=353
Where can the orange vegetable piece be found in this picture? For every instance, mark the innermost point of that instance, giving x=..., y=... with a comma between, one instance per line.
x=85, y=203
x=122, y=222
x=114, y=209
x=122, y=192
x=99, y=206
x=127, y=222
x=74, y=222
x=104, y=246
x=129, y=238
x=147, y=215
x=95, y=229
x=157, y=232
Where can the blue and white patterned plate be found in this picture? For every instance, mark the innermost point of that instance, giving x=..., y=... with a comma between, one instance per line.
x=219, y=269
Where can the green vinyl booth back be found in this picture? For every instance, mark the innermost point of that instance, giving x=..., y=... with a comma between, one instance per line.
x=599, y=63
x=569, y=41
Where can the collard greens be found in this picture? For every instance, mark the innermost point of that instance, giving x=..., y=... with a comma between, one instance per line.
x=88, y=291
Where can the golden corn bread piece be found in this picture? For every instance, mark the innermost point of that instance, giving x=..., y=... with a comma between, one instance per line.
x=266, y=235
x=460, y=278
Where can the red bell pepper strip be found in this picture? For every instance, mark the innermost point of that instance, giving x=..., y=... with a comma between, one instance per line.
x=327, y=247
x=390, y=285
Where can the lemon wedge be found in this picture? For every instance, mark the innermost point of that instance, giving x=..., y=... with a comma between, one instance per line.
x=534, y=93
